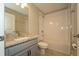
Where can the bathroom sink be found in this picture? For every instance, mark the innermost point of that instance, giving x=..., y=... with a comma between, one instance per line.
x=26, y=38
x=22, y=38
x=19, y=40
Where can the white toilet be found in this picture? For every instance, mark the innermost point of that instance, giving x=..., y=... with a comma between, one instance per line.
x=43, y=46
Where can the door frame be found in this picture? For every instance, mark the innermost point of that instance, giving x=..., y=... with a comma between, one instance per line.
x=2, y=47
x=73, y=28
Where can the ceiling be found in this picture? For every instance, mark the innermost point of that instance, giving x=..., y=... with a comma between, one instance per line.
x=14, y=7
x=43, y=7
x=50, y=7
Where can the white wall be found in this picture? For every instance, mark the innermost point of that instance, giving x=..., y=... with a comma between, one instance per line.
x=2, y=29
x=56, y=31
x=1, y=19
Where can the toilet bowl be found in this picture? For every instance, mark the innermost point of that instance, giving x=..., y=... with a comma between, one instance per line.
x=43, y=46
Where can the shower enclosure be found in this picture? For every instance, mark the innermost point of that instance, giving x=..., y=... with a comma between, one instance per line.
x=59, y=28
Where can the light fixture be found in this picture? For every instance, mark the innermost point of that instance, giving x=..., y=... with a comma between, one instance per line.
x=17, y=3
x=23, y=5
x=51, y=23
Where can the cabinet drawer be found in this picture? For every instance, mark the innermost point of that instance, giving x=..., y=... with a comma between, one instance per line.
x=34, y=50
x=15, y=49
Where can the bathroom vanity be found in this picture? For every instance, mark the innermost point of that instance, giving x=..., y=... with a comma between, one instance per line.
x=22, y=47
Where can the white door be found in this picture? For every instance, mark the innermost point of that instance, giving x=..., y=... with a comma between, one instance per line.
x=1, y=29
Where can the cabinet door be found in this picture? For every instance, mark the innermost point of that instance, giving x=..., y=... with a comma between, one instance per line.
x=22, y=53
x=7, y=52
x=13, y=50
x=34, y=50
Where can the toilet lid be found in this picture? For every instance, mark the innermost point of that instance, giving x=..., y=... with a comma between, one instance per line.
x=42, y=44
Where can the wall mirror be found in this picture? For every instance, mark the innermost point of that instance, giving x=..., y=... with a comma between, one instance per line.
x=16, y=20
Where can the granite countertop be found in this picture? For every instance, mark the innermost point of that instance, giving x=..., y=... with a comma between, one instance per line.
x=19, y=40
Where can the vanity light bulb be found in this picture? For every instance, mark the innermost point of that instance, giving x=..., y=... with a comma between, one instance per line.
x=17, y=3
x=25, y=4
x=50, y=23
x=22, y=6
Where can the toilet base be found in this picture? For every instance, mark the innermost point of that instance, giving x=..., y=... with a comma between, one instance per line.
x=42, y=52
